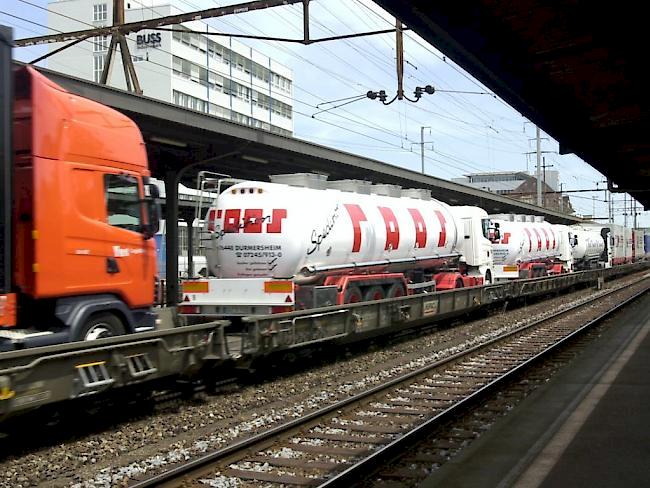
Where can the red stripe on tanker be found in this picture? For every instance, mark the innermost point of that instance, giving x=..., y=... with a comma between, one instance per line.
x=530, y=240
x=420, y=228
x=516, y=245
x=356, y=216
x=547, y=239
x=279, y=231
x=539, y=239
x=392, y=228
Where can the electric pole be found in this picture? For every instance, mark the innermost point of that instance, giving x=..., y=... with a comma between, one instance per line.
x=539, y=167
x=593, y=205
x=118, y=38
x=544, y=166
x=422, y=143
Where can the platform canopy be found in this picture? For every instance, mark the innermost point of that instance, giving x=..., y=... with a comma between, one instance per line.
x=577, y=69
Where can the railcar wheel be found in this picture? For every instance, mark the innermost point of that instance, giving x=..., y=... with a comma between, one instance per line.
x=101, y=326
x=373, y=293
x=396, y=290
x=353, y=294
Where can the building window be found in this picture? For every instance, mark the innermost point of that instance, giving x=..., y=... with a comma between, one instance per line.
x=98, y=66
x=100, y=12
x=100, y=44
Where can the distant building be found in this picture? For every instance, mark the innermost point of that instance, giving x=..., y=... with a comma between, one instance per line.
x=210, y=74
x=521, y=186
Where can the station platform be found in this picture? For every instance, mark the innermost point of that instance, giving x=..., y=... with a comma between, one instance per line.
x=589, y=426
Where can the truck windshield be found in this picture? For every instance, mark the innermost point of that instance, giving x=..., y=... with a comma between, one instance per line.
x=123, y=203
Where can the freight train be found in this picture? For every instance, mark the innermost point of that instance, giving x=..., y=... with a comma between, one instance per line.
x=302, y=242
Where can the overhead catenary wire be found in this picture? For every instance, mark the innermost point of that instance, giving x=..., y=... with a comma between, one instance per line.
x=398, y=135
x=156, y=63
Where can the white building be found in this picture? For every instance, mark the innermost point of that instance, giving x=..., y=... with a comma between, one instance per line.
x=505, y=182
x=211, y=74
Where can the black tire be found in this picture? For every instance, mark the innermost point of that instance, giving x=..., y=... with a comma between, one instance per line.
x=101, y=326
x=353, y=295
x=459, y=283
x=373, y=293
x=396, y=290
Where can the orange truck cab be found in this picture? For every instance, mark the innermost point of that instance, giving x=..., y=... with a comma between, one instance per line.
x=82, y=263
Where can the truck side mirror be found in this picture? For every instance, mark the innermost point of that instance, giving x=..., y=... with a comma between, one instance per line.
x=153, y=211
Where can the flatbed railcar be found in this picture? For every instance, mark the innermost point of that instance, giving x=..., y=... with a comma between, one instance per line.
x=34, y=377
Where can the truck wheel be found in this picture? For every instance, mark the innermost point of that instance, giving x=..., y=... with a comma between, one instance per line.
x=353, y=294
x=373, y=293
x=459, y=283
x=101, y=326
x=396, y=290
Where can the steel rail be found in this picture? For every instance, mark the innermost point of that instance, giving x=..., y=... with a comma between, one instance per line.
x=373, y=462
x=341, y=479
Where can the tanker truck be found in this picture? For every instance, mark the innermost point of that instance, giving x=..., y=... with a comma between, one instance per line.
x=301, y=242
x=527, y=247
x=590, y=247
x=619, y=242
x=78, y=215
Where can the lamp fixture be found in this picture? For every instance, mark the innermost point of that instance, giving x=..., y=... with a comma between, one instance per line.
x=254, y=159
x=168, y=142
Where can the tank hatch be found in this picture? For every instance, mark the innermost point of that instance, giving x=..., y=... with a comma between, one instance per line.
x=387, y=190
x=355, y=186
x=417, y=193
x=304, y=180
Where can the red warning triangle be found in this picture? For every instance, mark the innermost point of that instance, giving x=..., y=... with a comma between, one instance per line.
x=288, y=299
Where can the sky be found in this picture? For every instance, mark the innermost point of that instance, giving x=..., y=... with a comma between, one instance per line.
x=467, y=132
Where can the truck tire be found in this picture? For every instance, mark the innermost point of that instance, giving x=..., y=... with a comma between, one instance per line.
x=101, y=326
x=396, y=290
x=373, y=293
x=353, y=294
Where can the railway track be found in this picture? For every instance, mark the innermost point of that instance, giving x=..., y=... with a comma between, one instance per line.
x=342, y=443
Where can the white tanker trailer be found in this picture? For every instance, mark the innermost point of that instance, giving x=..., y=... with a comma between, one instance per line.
x=589, y=247
x=528, y=247
x=302, y=242
x=619, y=242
